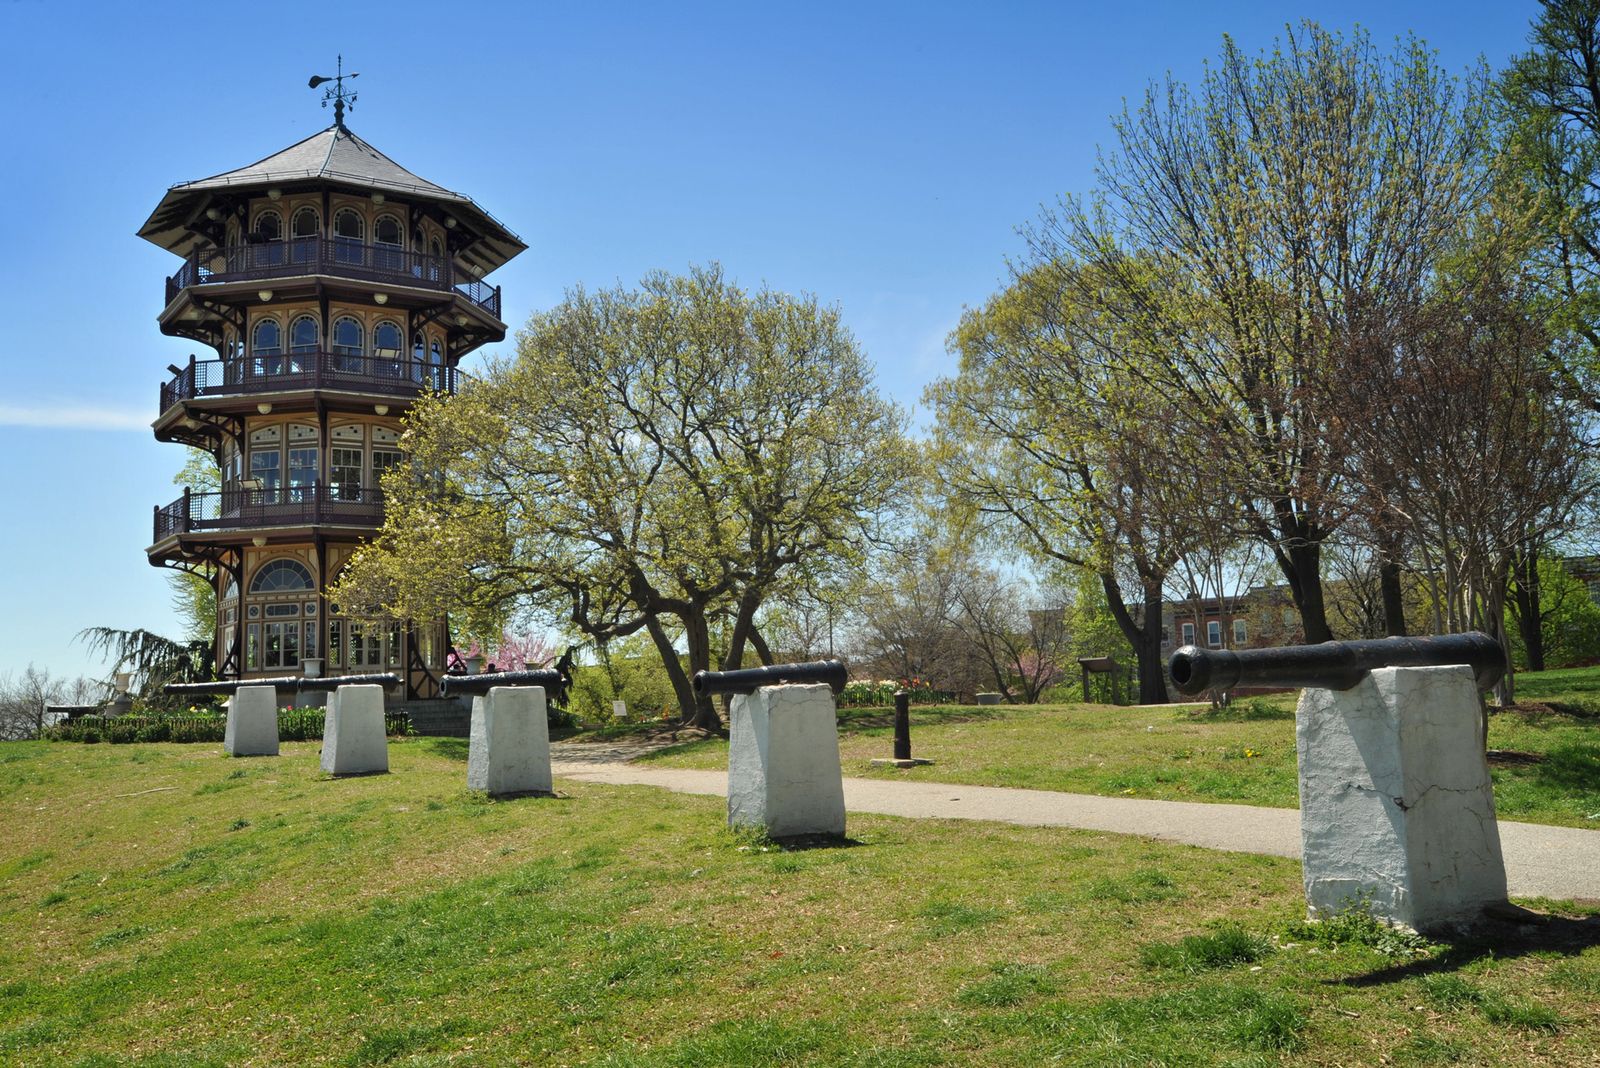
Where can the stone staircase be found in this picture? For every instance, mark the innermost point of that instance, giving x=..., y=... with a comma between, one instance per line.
x=445, y=717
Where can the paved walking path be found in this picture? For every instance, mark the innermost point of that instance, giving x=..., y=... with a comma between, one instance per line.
x=1555, y=862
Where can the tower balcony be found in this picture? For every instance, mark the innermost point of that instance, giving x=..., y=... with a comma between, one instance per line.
x=305, y=257
x=384, y=376
x=240, y=509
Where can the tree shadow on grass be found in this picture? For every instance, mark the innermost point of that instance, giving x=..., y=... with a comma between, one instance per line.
x=861, y=720
x=1495, y=938
x=449, y=748
x=800, y=843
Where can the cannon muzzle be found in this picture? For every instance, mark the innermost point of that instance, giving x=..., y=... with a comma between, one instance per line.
x=749, y=680
x=290, y=683
x=551, y=679
x=1332, y=665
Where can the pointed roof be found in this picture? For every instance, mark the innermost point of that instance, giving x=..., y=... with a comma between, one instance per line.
x=334, y=156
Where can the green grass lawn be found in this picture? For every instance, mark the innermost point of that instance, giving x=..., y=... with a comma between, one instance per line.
x=163, y=905
x=1244, y=754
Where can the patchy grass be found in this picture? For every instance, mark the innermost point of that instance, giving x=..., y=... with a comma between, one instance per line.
x=1243, y=754
x=400, y=919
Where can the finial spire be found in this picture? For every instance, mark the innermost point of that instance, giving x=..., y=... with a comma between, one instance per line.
x=336, y=92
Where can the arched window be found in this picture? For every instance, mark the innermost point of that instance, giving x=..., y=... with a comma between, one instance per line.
x=266, y=240
x=349, y=344
x=303, y=343
x=419, y=358
x=305, y=231
x=436, y=260
x=282, y=575
x=266, y=348
x=389, y=243
x=349, y=230
x=386, y=349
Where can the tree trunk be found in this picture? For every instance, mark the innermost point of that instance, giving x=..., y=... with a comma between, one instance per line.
x=1530, y=610
x=697, y=635
x=1304, y=571
x=681, y=686
x=1394, y=607
x=759, y=644
x=1146, y=640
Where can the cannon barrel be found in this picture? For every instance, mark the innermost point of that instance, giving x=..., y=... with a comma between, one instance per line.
x=749, y=680
x=284, y=682
x=549, y=678
x=1332, y=665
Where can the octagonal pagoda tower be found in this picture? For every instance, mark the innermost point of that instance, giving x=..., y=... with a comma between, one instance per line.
x=332, y=288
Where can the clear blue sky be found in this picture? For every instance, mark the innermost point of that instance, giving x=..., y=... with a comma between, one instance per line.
x=879, y=155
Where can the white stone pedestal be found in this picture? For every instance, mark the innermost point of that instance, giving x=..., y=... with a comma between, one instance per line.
x=252, y=722
x=353, y=742
x=783, y=762
x=509, y=752
x=1396, y=806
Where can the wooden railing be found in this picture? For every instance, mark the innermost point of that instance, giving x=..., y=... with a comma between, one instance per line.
x=339, y=257
x=236, y=508
x=387, y=375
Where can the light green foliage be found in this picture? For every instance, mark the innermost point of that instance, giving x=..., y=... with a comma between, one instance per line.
x=653, y=460
x=1553, y=116
x=1570, y=620
x=194, y=595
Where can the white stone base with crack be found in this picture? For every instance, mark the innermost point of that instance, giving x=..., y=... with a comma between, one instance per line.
x=783, y=762
x=353, y=741
x=509, y=751
x=1396, y=805
x=252, y=728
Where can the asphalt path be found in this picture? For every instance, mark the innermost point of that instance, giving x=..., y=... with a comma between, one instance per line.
x=1554, y=862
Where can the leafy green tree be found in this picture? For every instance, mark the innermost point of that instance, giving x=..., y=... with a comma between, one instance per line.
x=194, y=593
x=1049, y=433
x=662, y=460
x=1552, y=101
x=1249, y=224
x=1569, y=620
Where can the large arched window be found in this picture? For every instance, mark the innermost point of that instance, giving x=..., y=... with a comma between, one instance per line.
x=276, y=637
x=388, y=243
x=266, y=239
x=349, y=230
x=303, y=344
x=282, y=575
x=266, y=348
x=386, y=349
x=349, y=344
x=305, y=231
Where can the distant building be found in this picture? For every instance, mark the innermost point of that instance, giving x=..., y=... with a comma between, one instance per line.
x=333, y=288
x=1261, y=616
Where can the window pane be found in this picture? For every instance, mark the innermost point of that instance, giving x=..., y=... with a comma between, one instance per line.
x=1213, y=632
x=303, y=335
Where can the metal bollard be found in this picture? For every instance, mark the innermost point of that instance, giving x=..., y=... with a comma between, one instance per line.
x=902, y=735
x=902, y=725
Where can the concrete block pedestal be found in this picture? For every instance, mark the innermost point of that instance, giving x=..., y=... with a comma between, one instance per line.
x=509, y=751
x=783, y=762
x=252, y=728
x=1396, y=806
x=353, y=741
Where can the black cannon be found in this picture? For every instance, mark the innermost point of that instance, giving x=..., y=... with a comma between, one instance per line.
x=553, y=681
x=1332, y=665
x=749, y=680
x=291, y=683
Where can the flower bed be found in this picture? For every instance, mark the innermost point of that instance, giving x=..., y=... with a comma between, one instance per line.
x=294, y=725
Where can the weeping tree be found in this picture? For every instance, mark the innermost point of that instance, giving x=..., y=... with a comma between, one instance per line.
x=151, y=660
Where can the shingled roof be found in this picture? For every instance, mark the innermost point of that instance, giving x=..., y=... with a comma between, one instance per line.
x=338, y=157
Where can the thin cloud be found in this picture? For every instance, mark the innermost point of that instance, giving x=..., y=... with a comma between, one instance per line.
x=46, y=416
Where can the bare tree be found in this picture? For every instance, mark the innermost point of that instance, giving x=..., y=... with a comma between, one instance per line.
x=23, y=699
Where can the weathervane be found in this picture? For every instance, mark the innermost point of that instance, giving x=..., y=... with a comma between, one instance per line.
x=336, y=93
